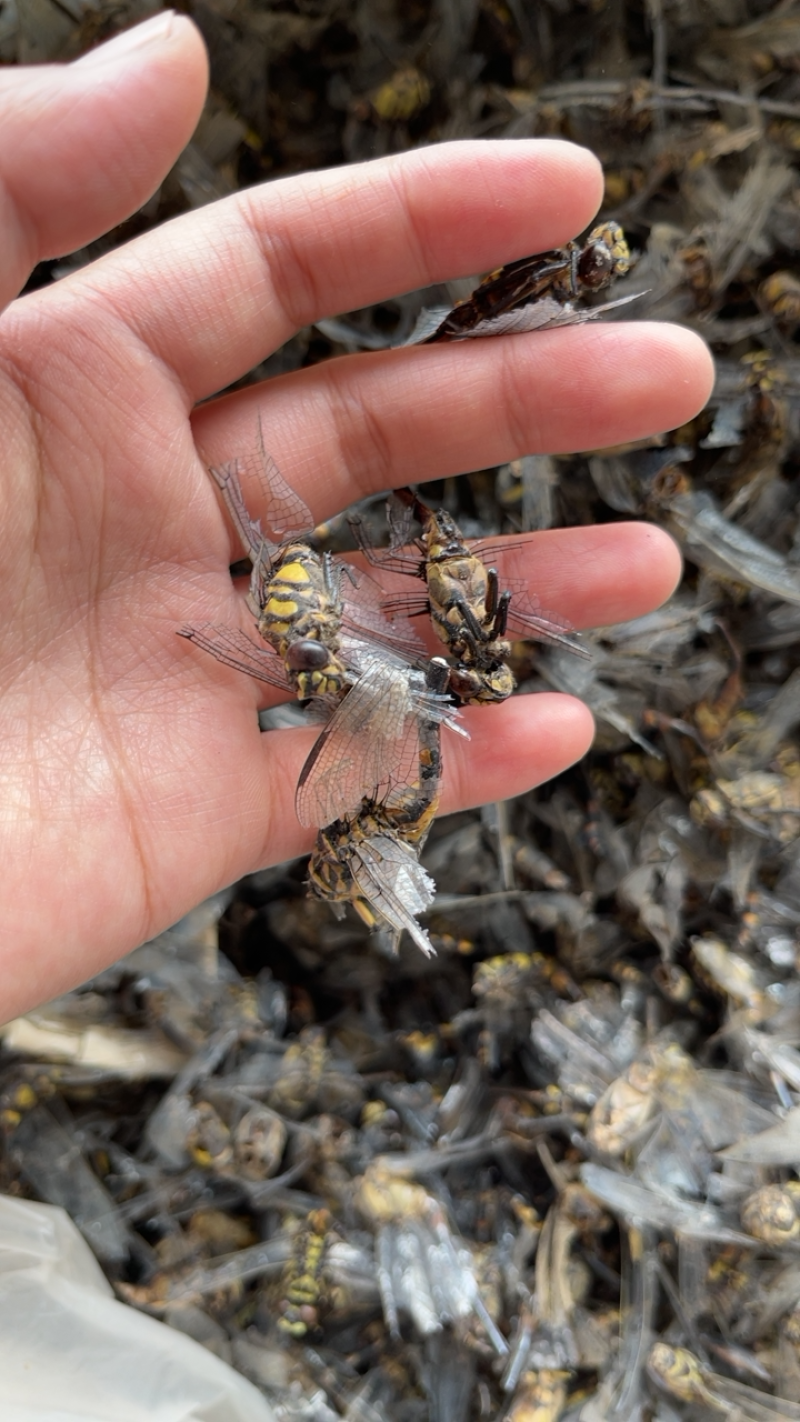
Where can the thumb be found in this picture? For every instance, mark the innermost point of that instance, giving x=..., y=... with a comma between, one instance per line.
x=85, y=144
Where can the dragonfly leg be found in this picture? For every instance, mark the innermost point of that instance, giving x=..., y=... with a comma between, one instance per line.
x=472, y=625
x=332, y=579
x=573, y=270
x=500, y=621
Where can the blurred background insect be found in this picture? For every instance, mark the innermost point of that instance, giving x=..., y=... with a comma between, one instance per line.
x=681, y=1374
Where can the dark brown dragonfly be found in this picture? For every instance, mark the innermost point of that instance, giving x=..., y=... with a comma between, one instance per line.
x=535, y=292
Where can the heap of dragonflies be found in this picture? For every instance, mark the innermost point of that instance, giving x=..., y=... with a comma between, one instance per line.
x=344, y=645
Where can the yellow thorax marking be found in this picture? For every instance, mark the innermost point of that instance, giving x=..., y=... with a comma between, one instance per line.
x=293, y=572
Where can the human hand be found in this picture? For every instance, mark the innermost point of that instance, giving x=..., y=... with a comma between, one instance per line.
x=134, y=778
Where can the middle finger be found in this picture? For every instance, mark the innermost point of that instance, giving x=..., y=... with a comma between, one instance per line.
x=352, y=426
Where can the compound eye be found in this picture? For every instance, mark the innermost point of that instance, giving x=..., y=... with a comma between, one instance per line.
x=307, y=656
x=596, y=265
x=464, y=683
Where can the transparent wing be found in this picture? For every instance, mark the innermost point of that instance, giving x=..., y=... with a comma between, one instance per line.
x=624, y=1196
x=364, y=619
x=777, y=1145
x=53, y=1161
x=370, y=745
x=527, y=618
x=370, y=733
x=395, y=559
x=226, y=478
x=405, y=605
x=749, y=1404
x=427, y=324
x=400, y=517
x=543, y=315
x=489, y=550
x=719, y=546
x=722, y=1112
x=389, y=876
x=235, y=649
x=285, y=513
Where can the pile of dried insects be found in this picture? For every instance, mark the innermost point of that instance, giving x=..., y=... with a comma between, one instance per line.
x=551, y=1172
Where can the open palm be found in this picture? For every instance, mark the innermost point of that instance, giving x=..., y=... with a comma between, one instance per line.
x=134, y=779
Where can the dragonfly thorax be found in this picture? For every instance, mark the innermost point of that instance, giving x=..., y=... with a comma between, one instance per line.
x=298, y=605
x=454, y=585
x=443, y=539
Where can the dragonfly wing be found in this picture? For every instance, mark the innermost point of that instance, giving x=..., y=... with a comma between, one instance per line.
x=285, y=513
x=371, y=744
x=410, y=604
x=427, y=324
x=546, y=314
x=393, y=560
x=537, y=316
x=235, y=649
x=578, y=316
x=527, y=618
x=358, y=751
x=226, y=478
x=391, y=879
x=364, y=618
x=400, y=516
x=489, y=550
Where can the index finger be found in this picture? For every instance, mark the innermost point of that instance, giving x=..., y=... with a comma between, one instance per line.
x=212, y=293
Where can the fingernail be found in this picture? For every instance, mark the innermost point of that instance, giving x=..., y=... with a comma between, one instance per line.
x=158, y=27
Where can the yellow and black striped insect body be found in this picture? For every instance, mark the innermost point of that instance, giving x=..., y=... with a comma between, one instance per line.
x=302, y=1283
x=301, y=617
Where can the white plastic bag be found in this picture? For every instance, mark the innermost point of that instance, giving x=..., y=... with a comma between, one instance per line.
x=69, y=1352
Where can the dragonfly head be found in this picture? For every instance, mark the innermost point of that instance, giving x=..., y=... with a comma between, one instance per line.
x=443, y=537
x=307, y=655
x=605, y=256
x=314, y=669
x=484, y=687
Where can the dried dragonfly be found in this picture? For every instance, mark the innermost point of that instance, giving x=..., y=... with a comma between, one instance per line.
x=325, y=642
